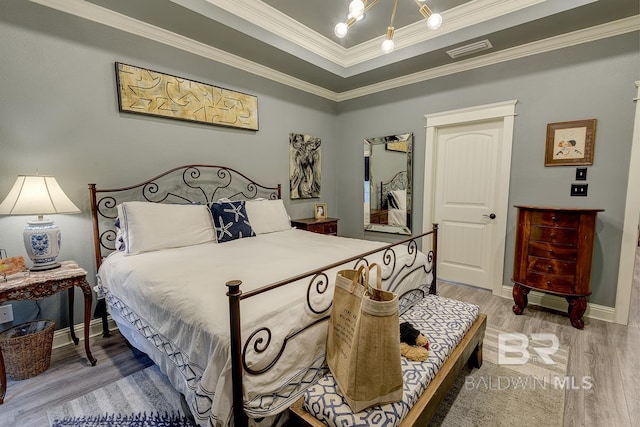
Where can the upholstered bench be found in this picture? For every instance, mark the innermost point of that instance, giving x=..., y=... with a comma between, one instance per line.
x=455, y=331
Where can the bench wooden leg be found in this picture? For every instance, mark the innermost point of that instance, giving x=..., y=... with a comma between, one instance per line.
x=475, y=360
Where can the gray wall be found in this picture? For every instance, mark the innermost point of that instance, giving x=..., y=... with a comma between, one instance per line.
x=593, y=80
x=59, y=116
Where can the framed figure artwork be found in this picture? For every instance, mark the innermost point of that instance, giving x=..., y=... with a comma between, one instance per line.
x=320, y=210
x=570, y=143
x=304, y=166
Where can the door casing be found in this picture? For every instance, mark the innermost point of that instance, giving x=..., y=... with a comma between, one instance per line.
x=504, y=111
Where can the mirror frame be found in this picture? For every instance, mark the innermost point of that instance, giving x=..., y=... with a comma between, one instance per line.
x=398, y=142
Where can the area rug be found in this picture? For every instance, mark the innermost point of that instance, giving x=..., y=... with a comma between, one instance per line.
x=531, y=393
x=143, y=399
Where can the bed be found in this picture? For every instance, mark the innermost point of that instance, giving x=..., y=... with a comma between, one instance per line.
x=394, y=198
x=164, y=272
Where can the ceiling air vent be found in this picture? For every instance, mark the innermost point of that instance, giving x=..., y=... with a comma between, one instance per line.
x=470, y=48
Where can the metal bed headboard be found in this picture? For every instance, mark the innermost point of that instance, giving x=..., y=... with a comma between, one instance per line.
x=184, y=184
x=398, y=182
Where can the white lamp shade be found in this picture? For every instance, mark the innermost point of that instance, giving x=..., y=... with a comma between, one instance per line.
x=36, y=195
x=39, y=195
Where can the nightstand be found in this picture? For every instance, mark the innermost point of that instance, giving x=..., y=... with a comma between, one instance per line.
x=41, y=284
x=322, y=226
x=553, y=254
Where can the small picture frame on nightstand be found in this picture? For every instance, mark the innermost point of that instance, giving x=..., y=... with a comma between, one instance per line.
x=320, y=211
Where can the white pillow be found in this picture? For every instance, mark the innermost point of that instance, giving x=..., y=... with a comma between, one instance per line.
x=267, y=216
x=401, y=198
x=153, y=226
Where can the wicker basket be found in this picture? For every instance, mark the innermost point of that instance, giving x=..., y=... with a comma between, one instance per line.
x=26, y=348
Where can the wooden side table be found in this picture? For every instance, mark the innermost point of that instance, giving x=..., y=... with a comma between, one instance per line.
x=41, y=284
x=553, y=254
x=322, y=226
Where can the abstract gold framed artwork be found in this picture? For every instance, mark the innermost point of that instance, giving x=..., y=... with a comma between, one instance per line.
x=149, y=92
x=570, y=143
x=396, y=145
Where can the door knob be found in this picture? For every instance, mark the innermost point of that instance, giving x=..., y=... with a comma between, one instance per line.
x=490, y=216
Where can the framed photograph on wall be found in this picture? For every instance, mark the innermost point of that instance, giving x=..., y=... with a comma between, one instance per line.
x=570, y=143
x=320, y=211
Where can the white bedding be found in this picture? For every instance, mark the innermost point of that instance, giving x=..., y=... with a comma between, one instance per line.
x=397, y=217
x=175, y=301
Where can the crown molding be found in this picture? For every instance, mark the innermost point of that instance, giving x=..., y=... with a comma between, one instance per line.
x=121, y=22
x=602, y=31
x=464, y=16
x=276, y=22
x=272, y=20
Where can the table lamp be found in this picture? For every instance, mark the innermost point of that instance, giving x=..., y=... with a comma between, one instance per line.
x=39, y=195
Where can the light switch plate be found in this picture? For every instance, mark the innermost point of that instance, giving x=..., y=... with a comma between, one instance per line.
x=579, y=189
x=581, y=174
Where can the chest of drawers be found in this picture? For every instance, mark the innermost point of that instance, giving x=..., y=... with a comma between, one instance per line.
x=322, y=226
x=553, y=254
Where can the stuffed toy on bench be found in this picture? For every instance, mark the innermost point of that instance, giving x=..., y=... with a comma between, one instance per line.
x=413, y=345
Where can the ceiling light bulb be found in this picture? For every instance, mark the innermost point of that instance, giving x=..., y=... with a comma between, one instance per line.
x=435, y=21
x=356, y=8
x=387, y=46
x=341, y=30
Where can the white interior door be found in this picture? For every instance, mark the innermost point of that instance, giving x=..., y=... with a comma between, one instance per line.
x=467, y=159
x=466, y=193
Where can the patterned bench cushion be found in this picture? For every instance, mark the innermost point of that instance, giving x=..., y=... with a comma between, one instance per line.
x=444, y=322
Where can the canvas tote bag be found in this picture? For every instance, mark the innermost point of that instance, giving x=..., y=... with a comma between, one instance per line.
x=363, y=340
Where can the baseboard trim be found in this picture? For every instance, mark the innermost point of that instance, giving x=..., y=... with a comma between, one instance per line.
x=594, y=311
x=62, y=337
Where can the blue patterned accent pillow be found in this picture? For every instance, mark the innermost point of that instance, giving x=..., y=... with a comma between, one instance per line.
x=230, y=220
x=120, y=245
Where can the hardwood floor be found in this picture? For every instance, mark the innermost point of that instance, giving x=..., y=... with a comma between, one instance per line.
x=607, y=353
x=69, y=376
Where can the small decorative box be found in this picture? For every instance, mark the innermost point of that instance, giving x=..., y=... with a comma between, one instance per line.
x=13, y=265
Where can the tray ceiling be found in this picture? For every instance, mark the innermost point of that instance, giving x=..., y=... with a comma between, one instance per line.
x=292, y=41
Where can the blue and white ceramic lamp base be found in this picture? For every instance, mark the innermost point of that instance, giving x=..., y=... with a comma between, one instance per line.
x=42, y=242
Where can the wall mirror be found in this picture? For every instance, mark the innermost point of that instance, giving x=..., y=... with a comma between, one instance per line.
x=387, y=183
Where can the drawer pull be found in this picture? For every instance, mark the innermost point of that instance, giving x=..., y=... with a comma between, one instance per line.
x=554, y=218
x=551, y=252
x=548, y=283
x=550, y=267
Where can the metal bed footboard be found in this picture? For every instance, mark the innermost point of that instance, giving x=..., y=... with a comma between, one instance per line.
x=318, y=282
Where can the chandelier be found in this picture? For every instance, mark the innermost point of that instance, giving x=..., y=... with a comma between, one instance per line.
x=357, y=9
